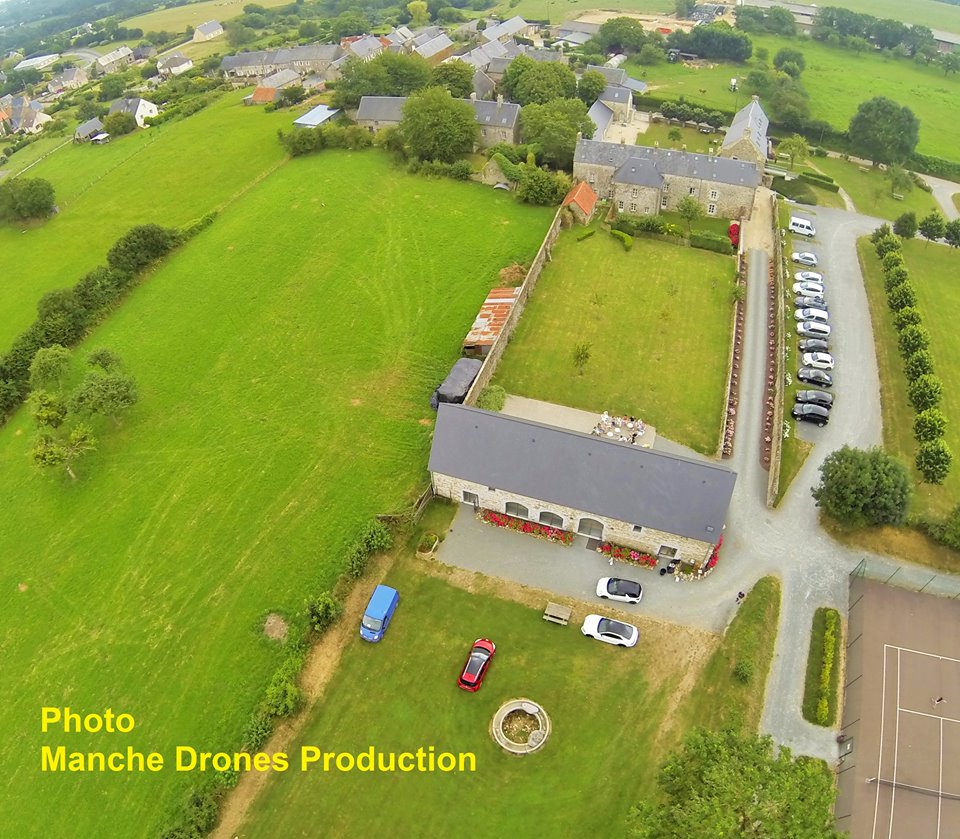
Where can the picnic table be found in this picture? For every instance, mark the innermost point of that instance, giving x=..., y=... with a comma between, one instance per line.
x=555, y=613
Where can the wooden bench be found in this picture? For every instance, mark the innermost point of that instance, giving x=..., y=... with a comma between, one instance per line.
x=555, y=613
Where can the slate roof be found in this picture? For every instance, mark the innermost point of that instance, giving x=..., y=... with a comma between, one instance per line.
x=668, y=162
x=390, y=109
x=210, y=28
x=617, y=76
x=623, y=482
x=503, y=114
x=499, y=65
x=381, y=108
x=115, y=55
x=638, y=171
x=287, y=55
x=366, y=47
x=601, y=116
x=616, y=93
x=173, y=62
x=578, y=39
x=127, y=106
x=751, y=122
x=483, y=85
x=434, y=45
x=88, y=128
x=578, y=26
x=508, y=28
x=280, y=79
x=545, y=56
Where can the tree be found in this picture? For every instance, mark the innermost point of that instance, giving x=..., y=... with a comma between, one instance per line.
x=724, y=783
x=437, y=127
x=88, y=110
x=887, y=244
x=925, y=391
x=105, y=359
x=860, y=487
x=788, y=55
x=50, y=451
x=49, y=366
x=514, y=72
x=22, y=199
x=951, y=233
x=106, y=394
x=795, y=147
x=309, y=29
x=884, y=131
x=544, y=81
x=934, y=459
x=119, y=123
x=538, y=186
x=419, y=15
x=581, y=355
x=455, y=76
x=913, y=339
x=141, y=246
x=389, y=74
x=780, y=21
x=238, y=34
x=895, y=276
x=933, y=226
x=349, y=23
x=590, y=86
x=950, y=62
x=111, y=87
x=906, y=316
x=684, y=8
x=906, y=225
x=929, y=425
x=918, y=364
x=900, y=180
x=650, y=54
x=621, y=34
x=690, y=211
x=49, y=409
x=554, y=128
x=901, y=297
x=292, y=95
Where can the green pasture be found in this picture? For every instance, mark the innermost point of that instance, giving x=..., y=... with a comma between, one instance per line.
x=653, y=316
x=932, y=96
x=870, y=191
x=557, y=11
x=170, y=175
x=285, y=359
x=605, y=705
x=933, y=272
x=178, y=18
x=659, y=135
x=933, y=13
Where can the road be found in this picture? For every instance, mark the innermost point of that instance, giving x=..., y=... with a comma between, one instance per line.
x=87, y=57
x=944, y=191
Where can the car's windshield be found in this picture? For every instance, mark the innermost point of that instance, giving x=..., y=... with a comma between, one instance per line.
x=627, y=588
x=371, y=623
x=615, y=627
x=475, y=662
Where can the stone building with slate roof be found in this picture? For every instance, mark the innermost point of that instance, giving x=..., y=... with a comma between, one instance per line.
x=643, y=181
x=499, y=121
x=668, y=506
x=746, y=138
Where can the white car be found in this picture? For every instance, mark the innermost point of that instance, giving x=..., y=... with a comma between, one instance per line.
x=805, y=258
x=807, y=289
x=616, y=588
x=609, y=631
x=811, y=314
x=819, y=360
x=808, y=277
x=811, y=329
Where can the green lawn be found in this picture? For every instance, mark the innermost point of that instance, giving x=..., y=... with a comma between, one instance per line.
x=933, y=271
x=557, y=11
x=870, y=190
x=720, y=699
x=402, y=694
x=811, y=686
x=178, y=18
x=794, y=453
x=31, y=154
x=171, y=174
x=285, y=358
x=933, y=97
x=933, y=13
x=653, y=316
x=659, y=134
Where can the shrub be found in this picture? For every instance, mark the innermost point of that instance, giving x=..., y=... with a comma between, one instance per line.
x=929, y=425
x=141, y=246
x=894, y=277
x=907, y=316
x=743, y=672
x=906, y=225
x=461, y=170
x=933, y=460
x=492, y=398
x=586, y=235
x=902, y=296
x=882, y=232
x=892, y=260
x=323, y=611
x=283, y=694
x=863, y=487
x=377, y=538
x=913, y=339
x=925, y=392
x=258, y=730
x=887, y=244
x=625, y=240
x=919, y=364
x=820, y=180
x=357, y=558
x=711, y=242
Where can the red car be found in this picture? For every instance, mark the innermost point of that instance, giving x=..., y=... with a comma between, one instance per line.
x=478, y=662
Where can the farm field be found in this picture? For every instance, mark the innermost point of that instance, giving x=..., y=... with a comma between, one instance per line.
x=284, y=358
x=933, y=271
x=557, y=11
x=631, y=307
x=933, y=13
x=932, y=96
x=170, y=175
x=178, y=18
x=402, y=693
x=870, y=190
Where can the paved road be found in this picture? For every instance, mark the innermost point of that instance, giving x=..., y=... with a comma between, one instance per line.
x=87, y=57
x=944, y=191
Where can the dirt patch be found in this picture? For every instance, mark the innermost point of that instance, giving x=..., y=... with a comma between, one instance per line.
x=513, y=274
x=519, y=725
x=22, y=587
x=648, y=21
x=425, y=421
x=275, y=627
x=356, y=402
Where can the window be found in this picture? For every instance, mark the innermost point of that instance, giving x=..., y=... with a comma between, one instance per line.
x=592, y=179
x=471, y=498
x=693, y=191
x=633, y=207
x=492, y=489
x=667, y=552
x=591, y=528
x=516, y=510
x=634, y=192
x=551, y=519
x=663, y=201
x=637, y=528
x=483, y=132
x=714, y=195
x=711, y=209
x=619, y=205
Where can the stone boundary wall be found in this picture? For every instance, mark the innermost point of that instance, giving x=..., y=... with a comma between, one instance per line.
x=776, y=447
x=728, y=424
x=526, y=289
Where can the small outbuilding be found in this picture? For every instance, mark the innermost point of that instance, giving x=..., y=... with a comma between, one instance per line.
x=489, y=323
x=316, y=116
x=582, y=201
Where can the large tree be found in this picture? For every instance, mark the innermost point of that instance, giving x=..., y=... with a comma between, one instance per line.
x=25, y=198
x=544, y=81
x=933, y=226
x=590, y=86
x=795, y=148
x=455, y=76
x=726, y=784
x=389, y=74
x=884, y=131
x=554, y=128
x=48, y=368
x=435, y=126
x=104, y=394
x=621, y=34
x=860, y=487
x=65, y=450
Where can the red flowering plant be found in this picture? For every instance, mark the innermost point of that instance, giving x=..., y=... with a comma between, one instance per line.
x=715, y=555
x=541, y=531
x=623, y=554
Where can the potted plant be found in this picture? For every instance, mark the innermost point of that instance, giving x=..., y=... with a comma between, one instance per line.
x=427, y=545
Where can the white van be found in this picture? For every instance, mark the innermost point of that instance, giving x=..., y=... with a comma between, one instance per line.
x=802, y=226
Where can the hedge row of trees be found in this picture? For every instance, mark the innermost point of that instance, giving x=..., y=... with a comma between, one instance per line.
x=24, y=199
x=924, y=389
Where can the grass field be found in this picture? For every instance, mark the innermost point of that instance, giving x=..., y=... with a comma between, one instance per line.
x=654, y=316
x=284, y=360
x=178, y=18
x=557, y=11
x=171, y=174
x=720, y=699
x=811, y=685
x=870, y=190
x=934, y=98
x=659, y=134
x=933, y=13
x=605, y=704
x=933, y=272
x=794, y=453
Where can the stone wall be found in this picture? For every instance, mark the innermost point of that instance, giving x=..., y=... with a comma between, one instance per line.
x=526, y=289
x=776, y=435
x=648, y=540
x=743, y=149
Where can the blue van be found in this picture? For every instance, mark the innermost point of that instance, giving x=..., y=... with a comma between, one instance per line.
x=379, y=613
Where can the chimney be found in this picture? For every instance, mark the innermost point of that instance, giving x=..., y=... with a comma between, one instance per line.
x=755, y=98
x=473, y=96
x=499, y=99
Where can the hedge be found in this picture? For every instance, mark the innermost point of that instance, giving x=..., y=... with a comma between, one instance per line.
x=828, y=185
x=711, y=242
x=625, y=239
x=819, y=176
x=936, y=166
x=822, y=677
x=586, y=235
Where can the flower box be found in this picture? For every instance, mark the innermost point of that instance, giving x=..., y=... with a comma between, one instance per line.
x=623, y=554
x=541, y=531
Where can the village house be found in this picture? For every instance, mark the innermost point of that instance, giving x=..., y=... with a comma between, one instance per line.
x=113, y=61
x=87, y=129
x=582, y=201
x=69, y=79
x=313, y=58
x=207, y=31
x=24, y=115
x=671, y=507
x=144, y=52
x=515, y=27
x=746, y=138
x=139, y=109
x=640, y=180
x=174, y=64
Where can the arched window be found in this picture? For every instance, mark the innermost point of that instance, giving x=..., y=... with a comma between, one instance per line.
x=516, y=510
x=551, y=519
x=591, y=528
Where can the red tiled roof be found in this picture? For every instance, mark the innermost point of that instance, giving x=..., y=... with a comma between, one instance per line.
x=264, y=95
x=493, y=315
x=583, y=196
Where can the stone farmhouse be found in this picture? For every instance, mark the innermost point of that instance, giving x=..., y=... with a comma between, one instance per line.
x=139, y=109
x=313, y=58
x=642, y=180
x=174, y=65
x=70, y=79
x=746, y=138
x=113, y=61
x=207, y=31
x=499, y=121
x=515, y=27
x=25, y=115
x=668, y=506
